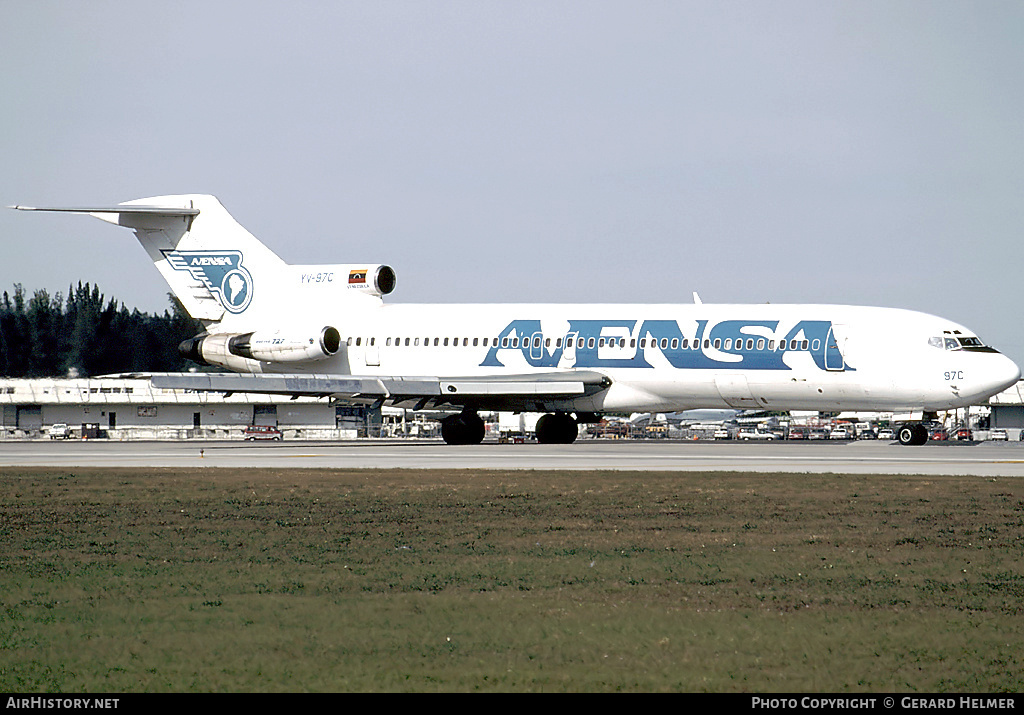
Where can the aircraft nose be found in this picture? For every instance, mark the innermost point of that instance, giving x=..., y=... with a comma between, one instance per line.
x=1005, y=373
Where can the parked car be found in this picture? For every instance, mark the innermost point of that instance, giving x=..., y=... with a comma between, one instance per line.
x=886, y=433
x=60, y=431
x=939, y=435
x=722, y=433
x=749, y=434
x=964, y=435
x=255, y=432
x=839, y=433
x=998, y=434
x=797, y=434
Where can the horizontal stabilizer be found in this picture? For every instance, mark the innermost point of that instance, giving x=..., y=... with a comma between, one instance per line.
x=138, y=210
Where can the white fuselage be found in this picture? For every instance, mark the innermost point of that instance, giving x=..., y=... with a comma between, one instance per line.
x=674, y=357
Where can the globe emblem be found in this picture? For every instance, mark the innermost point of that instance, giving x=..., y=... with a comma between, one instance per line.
x=236, y=290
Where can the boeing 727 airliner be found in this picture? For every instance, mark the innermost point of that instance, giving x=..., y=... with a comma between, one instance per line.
x=326, y=330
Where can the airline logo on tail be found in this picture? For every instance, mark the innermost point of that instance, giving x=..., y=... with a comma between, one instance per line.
x=221, y=272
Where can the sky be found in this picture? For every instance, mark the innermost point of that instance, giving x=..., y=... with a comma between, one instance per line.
x=867, y=152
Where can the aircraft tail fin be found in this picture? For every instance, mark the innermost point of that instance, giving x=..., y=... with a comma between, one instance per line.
x=212, y=264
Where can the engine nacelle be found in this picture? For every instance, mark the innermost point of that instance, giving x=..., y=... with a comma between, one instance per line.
x=328, y=280
x=375, y=280
x=232, y=350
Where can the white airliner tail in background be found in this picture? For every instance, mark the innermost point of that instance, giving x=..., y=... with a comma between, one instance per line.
x=325, y=330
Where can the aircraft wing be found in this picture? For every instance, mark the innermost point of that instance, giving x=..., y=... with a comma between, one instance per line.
x=493, y=392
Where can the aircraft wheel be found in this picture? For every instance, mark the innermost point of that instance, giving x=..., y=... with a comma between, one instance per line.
x=912, y=435
x=556, y=429
x=463, y=428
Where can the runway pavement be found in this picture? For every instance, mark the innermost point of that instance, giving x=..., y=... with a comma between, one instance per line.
x=988, y=459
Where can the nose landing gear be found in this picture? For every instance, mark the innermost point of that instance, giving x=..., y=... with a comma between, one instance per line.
x=912, y=435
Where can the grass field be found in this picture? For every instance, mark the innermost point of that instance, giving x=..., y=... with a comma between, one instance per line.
x=305, y=580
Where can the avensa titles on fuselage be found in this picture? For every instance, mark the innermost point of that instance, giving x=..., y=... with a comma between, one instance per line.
x=729, y=344
x=326, y=330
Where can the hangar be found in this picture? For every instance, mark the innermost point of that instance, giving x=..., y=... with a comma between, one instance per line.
x=129, y=407
x=1008, y=410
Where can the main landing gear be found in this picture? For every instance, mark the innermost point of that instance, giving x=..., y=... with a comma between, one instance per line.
x=557, y=428
x=467, y=428
x=463, y=428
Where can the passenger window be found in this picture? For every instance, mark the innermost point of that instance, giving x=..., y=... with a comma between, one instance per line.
x=664, y=343
x=760, y=344
x=675, y=343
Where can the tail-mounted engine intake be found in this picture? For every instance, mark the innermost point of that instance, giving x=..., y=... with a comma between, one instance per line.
x=375, y=280
x=226, y=349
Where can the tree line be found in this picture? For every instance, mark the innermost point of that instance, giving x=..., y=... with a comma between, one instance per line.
x=84, y=335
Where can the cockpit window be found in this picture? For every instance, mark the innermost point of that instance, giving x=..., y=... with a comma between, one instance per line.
x=959, y=343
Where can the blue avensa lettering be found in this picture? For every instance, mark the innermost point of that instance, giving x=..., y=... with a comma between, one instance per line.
x=622, y=344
